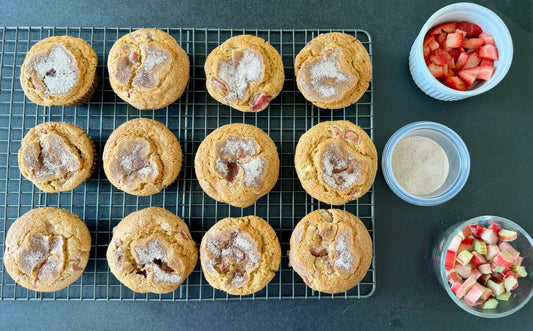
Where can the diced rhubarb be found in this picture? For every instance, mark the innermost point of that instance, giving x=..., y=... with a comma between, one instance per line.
x=496, y=268
x=454, y=40
x=436, y=70
x=510, y=283
x=488, y=235
x=455, y=287
x=454, y=245
x=472, y=29
x=496, y=285
x=467, y=285
x=477, y=230
x=484, y=268
x=469, y=76
x=473, y=61
x=506, y=273
x=449, y=260
x=504, y=246
x=489, y=52
x=504, y=259
x=486, y=294
x=494, y=227
x=475, y=274
x=453, y=277
x=467, y=230
x=464, y=247
x=183, y=234
x=477, y=259
x=488, y=39
x=485, y=278
x=504, y=296
x=492, y=251
x=485, y=72
x=463, y=270
x=464, y=257
x=507, y=235
x=519, y=270
x=473, y=43
x=518, y=261
x=480, y=246
x=439, y=57
x=456, y=83
x=468, y=241
x=474, y=293
x=220, y=84
x=490, y=304
x=261, y=100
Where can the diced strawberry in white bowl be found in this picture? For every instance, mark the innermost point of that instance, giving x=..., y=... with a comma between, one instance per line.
x=463, y=50
x=493, y=276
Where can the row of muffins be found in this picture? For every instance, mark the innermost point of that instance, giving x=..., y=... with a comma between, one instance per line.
x=149, y=70
x=152, y=250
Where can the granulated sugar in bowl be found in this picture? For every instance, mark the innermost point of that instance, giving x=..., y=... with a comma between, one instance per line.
x=425, y=163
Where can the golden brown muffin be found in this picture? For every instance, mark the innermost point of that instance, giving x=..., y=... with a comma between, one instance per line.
x=47, y=249
x=245, y=73
x=152, y=251
x=148, y=69
x=240, y=255
x=336, y=162
x=59, y=71
x=141, y=157
x=57, y=156
x=237, y=164
x=331, y=250
x=333, y=70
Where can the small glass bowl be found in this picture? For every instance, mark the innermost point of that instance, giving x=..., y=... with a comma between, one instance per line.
x=489, y=23
x=456, y=151
x=523, y=243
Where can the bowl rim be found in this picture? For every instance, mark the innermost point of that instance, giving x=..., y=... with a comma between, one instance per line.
x=487, y=86
x=442, y=270
x=462, y=174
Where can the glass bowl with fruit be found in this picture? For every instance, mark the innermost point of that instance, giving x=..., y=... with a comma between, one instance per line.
x=463, y=50
x=485, y=265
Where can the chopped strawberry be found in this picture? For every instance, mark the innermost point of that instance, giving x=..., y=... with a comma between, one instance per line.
x=485, y=72
x=473, y=61
x=473, y=43
x=426, y=51
x=448, y=27
x=454, y=40
x=461, y=60
x=472, y=29
x=439, y=57
x=488, y=39
x=450, y=73
x=461, y=32
x=454, y=53
x=489, y=52
x=456, y=83
x=486, y=62
x=431, y=43
x=441, y=39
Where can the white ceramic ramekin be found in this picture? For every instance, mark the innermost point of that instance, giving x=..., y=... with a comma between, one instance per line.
x=489, y=23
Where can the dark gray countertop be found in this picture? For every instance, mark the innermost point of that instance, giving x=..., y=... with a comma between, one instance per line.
x=495, y=126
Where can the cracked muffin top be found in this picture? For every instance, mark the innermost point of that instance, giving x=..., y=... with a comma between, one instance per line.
x=245, y=73
x=240, y=255
x=152, y=251
x=336, y=162
x=142, y=156
x=331, y=250
x=59, y=71
x=148, y=69
x=47, y=249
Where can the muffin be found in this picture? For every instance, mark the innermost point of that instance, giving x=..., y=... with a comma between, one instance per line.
x=333, y=70
x=59, y=71
x=152, y=251
x=56, y=156
x=245, y=73
x=148, y=69
x=237, y=164
x=141, y=157
x=240, y=255
x=47, y=249
x=331, y=250
x=336, y=162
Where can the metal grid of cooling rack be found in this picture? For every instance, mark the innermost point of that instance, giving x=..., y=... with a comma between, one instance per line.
x=190, y=118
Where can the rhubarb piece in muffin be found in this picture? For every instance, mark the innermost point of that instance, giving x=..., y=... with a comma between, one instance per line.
x=56, y=156
x=142, y=156
x=240, y=255
x=148, y=69
x=59, y=71
x=152, y=251
x=333, y=70
x=245, y=73
x=331, y=250
x=237, y=164
x=336, y=162
x=47, y=249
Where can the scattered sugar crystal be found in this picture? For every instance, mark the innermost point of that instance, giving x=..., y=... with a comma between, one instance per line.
x=134, y=160
x=221, y=167
x=236, y=146
x=58, y=71
x=249, y=68
x=344, y=258
x=161, y=276
x=154, y=251
x=237, y=280
x=55, y=158
x=324, y=69
x=252, y=171
x=337, y=173
x=154, y=57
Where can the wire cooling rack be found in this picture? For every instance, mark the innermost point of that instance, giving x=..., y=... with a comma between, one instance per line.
x=190, y=118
